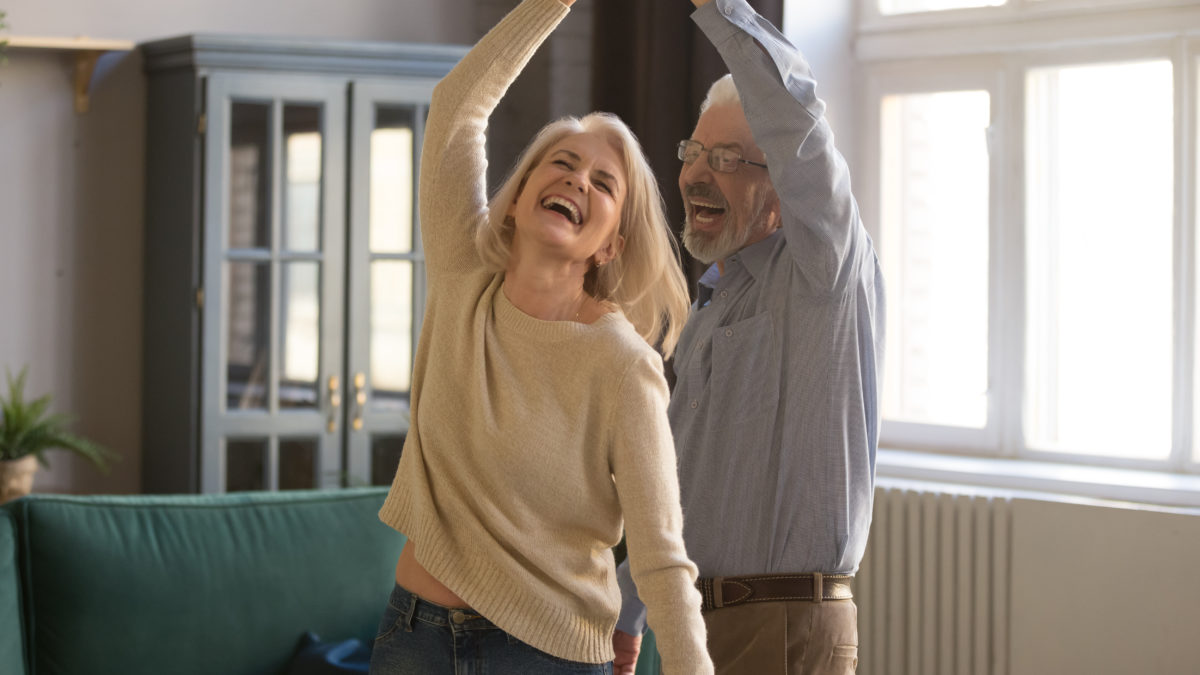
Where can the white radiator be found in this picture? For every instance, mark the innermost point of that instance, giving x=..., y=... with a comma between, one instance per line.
x=933, y=588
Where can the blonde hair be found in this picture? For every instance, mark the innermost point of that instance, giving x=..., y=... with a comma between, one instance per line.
x=646, y=279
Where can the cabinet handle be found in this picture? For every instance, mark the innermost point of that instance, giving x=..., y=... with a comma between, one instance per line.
x=335, y=403
x=360, y=400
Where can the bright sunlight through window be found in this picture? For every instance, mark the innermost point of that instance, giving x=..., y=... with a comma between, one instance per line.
x=1099, y=259
x=910, y=6
x=934, y=250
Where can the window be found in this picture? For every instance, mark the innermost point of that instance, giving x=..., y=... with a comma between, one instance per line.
x=1030, y=183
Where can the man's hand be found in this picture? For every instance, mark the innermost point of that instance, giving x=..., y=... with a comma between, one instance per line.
x=700, y=3
x=627, y=648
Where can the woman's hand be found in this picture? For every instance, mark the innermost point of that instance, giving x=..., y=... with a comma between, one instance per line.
x=568, y=3
x=700, y=3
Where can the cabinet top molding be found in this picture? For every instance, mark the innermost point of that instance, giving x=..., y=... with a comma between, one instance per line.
x=273, y=53
x=79, y=42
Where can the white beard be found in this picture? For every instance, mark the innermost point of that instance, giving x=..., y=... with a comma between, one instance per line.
x=733, y=235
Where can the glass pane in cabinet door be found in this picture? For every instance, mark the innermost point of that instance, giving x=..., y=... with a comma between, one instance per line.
x=302, y=177
x=391, y=181
x=297, y=464
x=300, y=334
x=250, y=176
x=385, y=457
x=245, y=465
x=391, y=329
x=248, y=331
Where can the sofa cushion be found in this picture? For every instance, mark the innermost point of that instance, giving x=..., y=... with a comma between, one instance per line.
x=200, y=584
x=11, y=630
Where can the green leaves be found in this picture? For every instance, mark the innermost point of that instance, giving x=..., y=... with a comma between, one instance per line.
x=3, y=41
x=26, y=428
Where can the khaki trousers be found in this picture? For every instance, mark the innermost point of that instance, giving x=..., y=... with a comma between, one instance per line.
x=784, y=638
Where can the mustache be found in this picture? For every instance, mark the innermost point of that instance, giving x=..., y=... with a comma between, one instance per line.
x=706, y=192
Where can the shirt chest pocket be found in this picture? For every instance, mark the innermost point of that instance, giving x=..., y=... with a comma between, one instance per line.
x=744, y=382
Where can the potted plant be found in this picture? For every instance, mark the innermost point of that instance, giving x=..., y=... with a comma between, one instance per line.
x=3, y=41
x=27, y=431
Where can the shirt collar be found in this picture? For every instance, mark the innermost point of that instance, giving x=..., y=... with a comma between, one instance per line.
x=756, y=256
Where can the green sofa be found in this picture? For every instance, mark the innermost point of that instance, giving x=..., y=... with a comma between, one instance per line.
x=203, y=585
x=192, y=585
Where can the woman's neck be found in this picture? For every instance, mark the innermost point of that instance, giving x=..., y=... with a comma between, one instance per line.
x=546, y=294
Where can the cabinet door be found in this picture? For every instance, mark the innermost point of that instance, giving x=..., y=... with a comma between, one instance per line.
x=274, y=255
x=386, y=272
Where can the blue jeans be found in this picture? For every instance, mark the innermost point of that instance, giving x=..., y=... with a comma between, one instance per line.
x=417, y=637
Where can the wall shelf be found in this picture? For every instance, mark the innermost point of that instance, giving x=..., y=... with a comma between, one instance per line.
x=87, y=52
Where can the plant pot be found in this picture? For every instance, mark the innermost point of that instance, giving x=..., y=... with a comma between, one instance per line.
x=16, y=477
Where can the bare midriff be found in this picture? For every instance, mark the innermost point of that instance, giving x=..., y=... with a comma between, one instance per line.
x=412, y=576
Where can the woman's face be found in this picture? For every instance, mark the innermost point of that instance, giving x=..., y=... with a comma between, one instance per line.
x=571, y=201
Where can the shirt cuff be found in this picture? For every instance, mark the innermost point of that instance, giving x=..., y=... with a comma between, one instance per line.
x=719, y=19
x=632, y=619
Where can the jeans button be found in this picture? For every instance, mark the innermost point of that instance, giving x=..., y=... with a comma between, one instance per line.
x=457, y=617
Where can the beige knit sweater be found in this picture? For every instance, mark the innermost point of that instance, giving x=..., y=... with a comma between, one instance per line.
x=531, y=439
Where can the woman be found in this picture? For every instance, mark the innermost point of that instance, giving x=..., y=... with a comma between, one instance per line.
x=539, y=408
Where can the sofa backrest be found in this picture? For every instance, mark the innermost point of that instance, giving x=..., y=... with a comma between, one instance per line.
x=198, y=584
x=11, y=626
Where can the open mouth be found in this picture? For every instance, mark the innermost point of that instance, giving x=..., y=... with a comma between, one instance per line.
x=705, y=211
x=563, y=206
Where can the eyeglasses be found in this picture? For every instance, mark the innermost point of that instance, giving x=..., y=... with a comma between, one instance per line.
x=725, y=160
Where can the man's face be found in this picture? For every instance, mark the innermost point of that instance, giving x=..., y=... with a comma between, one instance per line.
x=725, y=211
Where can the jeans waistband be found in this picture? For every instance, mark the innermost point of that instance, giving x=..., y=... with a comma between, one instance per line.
x=414, y=607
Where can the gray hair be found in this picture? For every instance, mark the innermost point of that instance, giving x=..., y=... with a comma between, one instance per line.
x=722, y=91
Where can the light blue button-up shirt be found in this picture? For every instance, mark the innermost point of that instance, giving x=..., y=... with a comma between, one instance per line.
x=775, y=407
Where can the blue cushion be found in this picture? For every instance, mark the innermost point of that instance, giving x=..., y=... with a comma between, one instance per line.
x=314, y=657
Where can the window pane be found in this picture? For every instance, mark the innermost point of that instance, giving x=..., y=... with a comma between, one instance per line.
x=391, y=328
x=297, y=464
x=300, y=334
x=1098, y=261
x=385, y=457
x=250, y=175
x=910, y=6
x=934, y=251
x=247, y=319
x=391, y=183
x=302, y=184
x=245, y=465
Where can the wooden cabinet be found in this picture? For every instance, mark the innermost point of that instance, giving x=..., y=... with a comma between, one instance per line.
x=284, y=278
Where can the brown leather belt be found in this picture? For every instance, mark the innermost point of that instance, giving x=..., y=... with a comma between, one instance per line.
x=720, y=592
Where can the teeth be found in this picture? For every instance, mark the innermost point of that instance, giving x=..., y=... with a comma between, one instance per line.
x=706, y=205
x=556, y=200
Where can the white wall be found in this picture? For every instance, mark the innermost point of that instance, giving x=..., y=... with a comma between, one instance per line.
x=71, y=193
x=824, y=32
x=1103, y=590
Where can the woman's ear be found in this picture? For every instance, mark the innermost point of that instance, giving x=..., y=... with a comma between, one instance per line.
x=610, y=251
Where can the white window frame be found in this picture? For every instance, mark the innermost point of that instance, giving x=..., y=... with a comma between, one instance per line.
x=992, y=49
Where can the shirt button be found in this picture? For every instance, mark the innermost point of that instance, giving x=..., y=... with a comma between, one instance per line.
x=458, y=617
x=695, y=404
x=728, y=332
x=724, y=294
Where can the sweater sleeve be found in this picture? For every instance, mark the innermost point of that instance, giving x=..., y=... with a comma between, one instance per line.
x=644, y=469
x=453, y=186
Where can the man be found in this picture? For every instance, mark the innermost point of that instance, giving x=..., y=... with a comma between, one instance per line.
x=774, y=410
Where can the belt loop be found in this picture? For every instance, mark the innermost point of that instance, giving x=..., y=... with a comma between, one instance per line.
x=818, y=587
x=718, y=595
x=408, y=615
